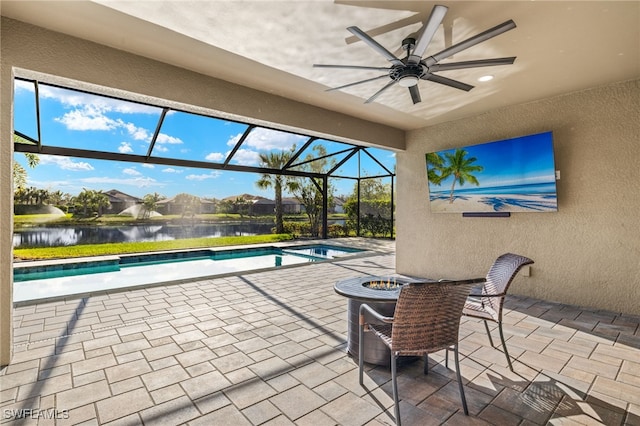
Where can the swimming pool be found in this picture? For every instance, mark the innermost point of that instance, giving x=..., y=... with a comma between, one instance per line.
x=65, y=278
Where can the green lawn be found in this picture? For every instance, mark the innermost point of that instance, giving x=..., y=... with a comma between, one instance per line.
x=123, y=248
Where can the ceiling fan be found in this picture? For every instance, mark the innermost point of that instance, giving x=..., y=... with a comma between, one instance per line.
x=407, y=72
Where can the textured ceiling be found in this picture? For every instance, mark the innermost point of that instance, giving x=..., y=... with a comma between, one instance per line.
x=271, y=45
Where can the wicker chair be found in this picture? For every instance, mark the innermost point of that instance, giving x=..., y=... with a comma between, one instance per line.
x=487, y=305
x=426, y=320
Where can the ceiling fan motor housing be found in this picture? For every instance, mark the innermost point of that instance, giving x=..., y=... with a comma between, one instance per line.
x=407, y=75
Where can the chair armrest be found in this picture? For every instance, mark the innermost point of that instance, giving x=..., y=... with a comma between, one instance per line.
x=364, y=307
x=474, y=280
x=487, y=295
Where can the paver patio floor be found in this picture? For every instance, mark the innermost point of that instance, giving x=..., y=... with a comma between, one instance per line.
x=269, y=348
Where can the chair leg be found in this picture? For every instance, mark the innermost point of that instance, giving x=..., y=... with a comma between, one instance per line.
x=361, y=350
x=457, y=361
x=486, y=326
x=426, y=364
x=504, y=346
x=394, y=384
x=446, y=358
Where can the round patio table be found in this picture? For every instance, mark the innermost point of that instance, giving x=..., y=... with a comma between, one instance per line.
x=382, y=300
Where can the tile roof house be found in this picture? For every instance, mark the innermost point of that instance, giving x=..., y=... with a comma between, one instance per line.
x=120, y=201
x=177, y=205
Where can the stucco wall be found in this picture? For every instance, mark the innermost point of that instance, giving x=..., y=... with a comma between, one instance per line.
x=6, y=223
x=588, y=253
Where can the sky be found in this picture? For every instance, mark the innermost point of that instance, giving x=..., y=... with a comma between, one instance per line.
x=518, y=161
x=75, y=119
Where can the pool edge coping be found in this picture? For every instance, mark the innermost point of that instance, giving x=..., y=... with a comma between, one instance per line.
x=366, y=252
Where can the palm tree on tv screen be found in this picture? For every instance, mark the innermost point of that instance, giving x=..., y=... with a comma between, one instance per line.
x=460, y=167
x=435, y=162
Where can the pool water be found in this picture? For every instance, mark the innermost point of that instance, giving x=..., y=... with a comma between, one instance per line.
x=117, y=272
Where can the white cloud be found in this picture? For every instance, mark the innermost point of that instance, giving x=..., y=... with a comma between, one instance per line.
x=246, y=157
x=131, y=172
x=53, y=185
x=88, y=118
x=148, y=166
x=160, y=148
x=211, y=175
x=215, y=156
x=65, y=163
x=140, y=182
x=267, y=139
x=125, y=148
x=137, y=133
x=24, y=85
x=94, y=117
x=166, y=139
x=171, y=170
x=72, y=98
x=233, y=140
x=91, y=112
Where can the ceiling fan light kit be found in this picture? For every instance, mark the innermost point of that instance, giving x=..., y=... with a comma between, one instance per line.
x=408, y=72
x=408, y=81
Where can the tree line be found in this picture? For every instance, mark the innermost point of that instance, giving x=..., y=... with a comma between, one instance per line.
x=373, y=215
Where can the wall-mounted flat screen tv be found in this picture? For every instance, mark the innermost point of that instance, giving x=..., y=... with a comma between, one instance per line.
x=512, y=175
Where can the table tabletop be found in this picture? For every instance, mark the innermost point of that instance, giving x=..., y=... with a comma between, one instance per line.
x=354, y=288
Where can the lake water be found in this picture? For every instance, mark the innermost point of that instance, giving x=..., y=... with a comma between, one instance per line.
x=56, y=236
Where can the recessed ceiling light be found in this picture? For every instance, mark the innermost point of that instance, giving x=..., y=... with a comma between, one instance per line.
x=486, y=78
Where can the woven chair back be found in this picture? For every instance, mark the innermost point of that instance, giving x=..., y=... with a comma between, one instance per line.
x=427, y=316
x=498, y=280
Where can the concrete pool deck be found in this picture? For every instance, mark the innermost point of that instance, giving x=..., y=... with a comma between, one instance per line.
x=269, y=348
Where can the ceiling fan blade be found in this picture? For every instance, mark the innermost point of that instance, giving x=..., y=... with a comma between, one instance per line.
x=374, y=44
x=447, y=82
x=399, y=24
x=479, y=38
x=352, y=67
x=472, y=64
x=432, y=25
x=379, y=92
x=415, y=94
x=357, y=82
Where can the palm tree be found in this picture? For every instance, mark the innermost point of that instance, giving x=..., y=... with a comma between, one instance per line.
x=242, y=206
x=460, y=167
x=190, y=204
x=90, y=202
x=150, y=203
x=276, y=160
x=30, y=195
x=19, y=172
x=434, y=166
x=42, y=196
x=309, y=191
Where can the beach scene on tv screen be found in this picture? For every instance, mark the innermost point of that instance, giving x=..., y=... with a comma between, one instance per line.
x=512, y=175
